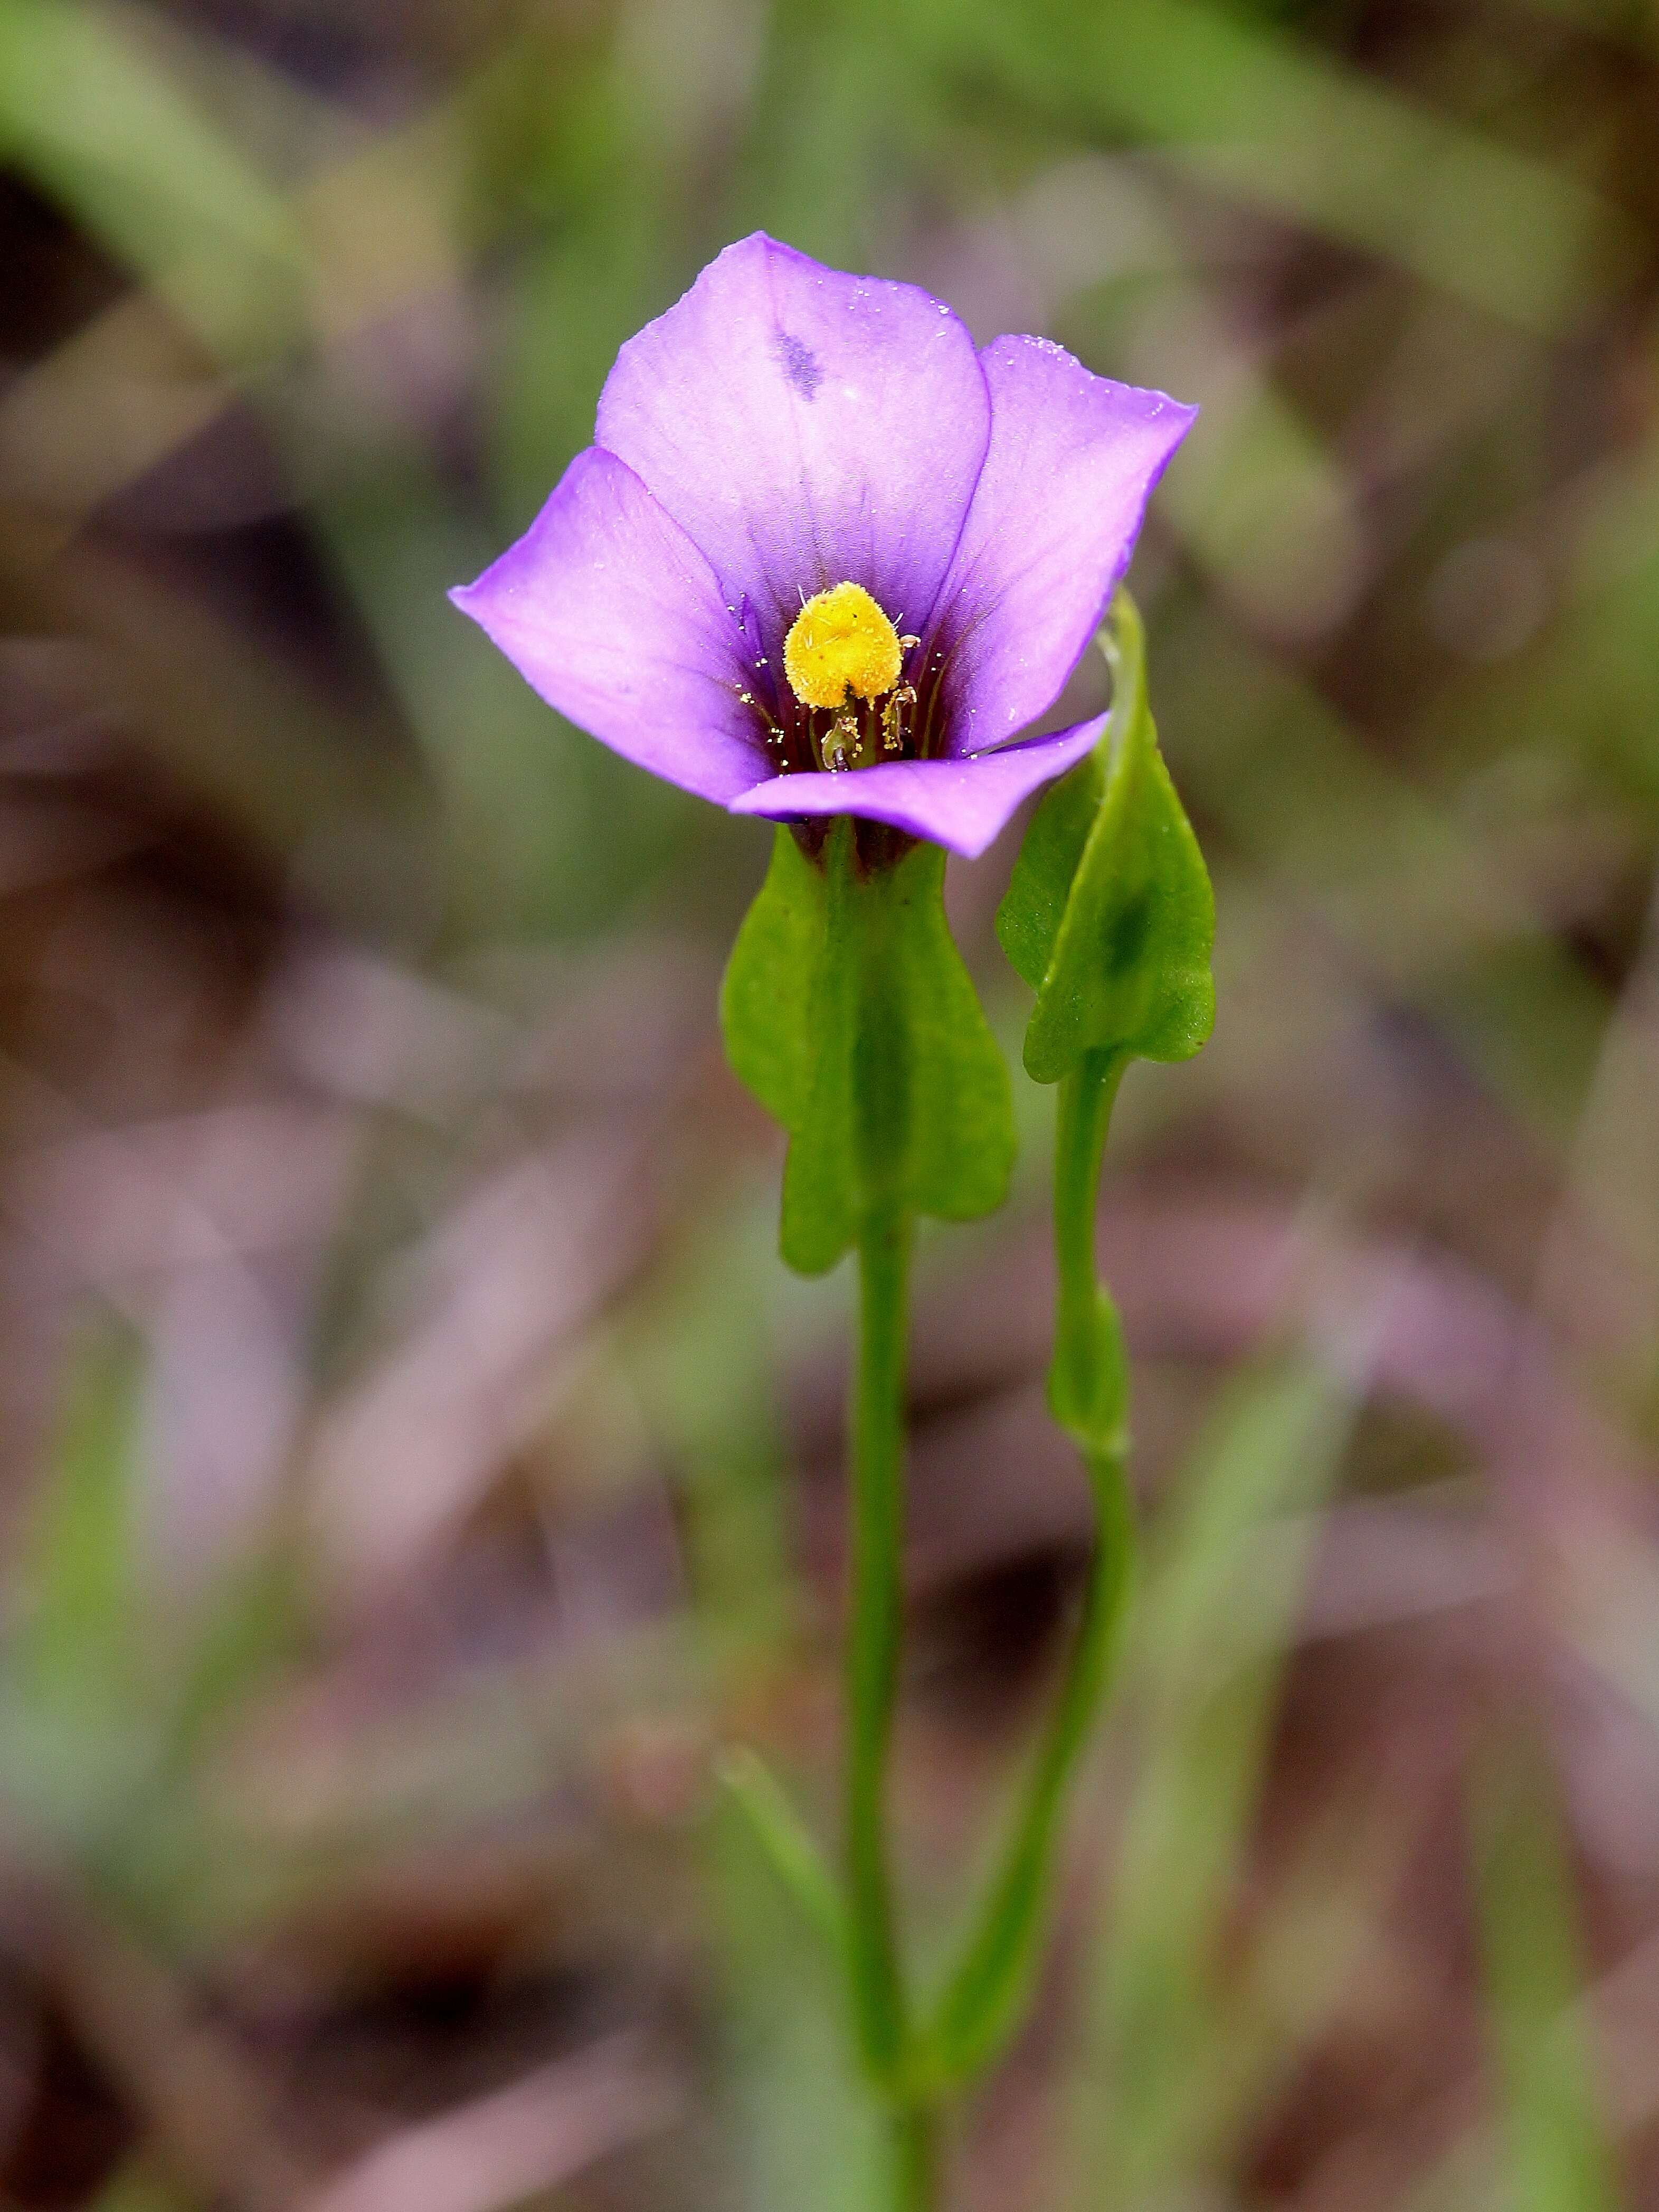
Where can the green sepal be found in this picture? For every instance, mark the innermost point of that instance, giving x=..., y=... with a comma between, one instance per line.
x=847, y=1011
x=1109, y=914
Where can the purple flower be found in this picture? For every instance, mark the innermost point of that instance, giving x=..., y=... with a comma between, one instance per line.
x=826, y=559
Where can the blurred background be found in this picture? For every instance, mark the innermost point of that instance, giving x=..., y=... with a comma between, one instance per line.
x=417, y=1464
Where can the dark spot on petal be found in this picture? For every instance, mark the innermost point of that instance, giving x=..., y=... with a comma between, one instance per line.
x=799, y=364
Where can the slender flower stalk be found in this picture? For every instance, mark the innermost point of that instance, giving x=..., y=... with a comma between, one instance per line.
x=985, y=1997
x=883, y=1114
x=1087, y=1386
x=874, y=1630
x=918, y=2157
x=1109, y=917
x=881, y=1999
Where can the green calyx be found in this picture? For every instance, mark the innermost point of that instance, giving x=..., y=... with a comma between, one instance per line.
x=847, y=1011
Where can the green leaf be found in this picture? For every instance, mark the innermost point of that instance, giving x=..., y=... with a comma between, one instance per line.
x=822, y=1182
x=766, y=998
x=847, y=1011
x=961, y=1133
x=1034, y=905
x=1110, y=915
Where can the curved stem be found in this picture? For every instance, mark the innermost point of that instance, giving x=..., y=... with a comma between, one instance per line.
x=876, y=1575
x=984, y=1999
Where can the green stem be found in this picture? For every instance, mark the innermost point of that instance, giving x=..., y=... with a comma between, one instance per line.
x=917, y=2168
x=1087, y=1382
x=876, y=1574
x=985, y=1997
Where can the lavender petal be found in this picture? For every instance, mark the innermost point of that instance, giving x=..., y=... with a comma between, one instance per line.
x=805, y=428
x=1073, y=461
x=606, y=608
x=961, y=804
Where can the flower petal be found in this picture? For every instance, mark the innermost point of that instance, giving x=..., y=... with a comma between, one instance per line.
x=961, y=804
x=806, y=428
x=608, y=609
x=1072, y=463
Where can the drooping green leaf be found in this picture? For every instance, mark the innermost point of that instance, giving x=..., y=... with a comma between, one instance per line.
x=848, y=1013
x=1110, y=915
x=1034, y=905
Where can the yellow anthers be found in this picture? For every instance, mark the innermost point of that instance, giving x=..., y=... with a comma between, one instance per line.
x=840, y=641
x=892, y=714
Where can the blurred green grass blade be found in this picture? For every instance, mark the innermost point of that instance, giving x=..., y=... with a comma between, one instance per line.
x=804, y=2133
x=1554, y=2128
x=1316, y=812
x=253, y=1621
x=703, y=1355
x=77, y=1733
x=87, y=113
x=1324, y=1932
x=1262, y=498
x=783, y=1838
x=519, y=848
x=1271, y=1451
x=833, y=104
x=91, y=115
x=1208, y=1645
x=137, y=2186
x=1273, y=121
x=563, y=133
x=79, y=1569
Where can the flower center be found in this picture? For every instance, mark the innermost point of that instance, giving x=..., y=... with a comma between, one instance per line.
x=840, y=641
